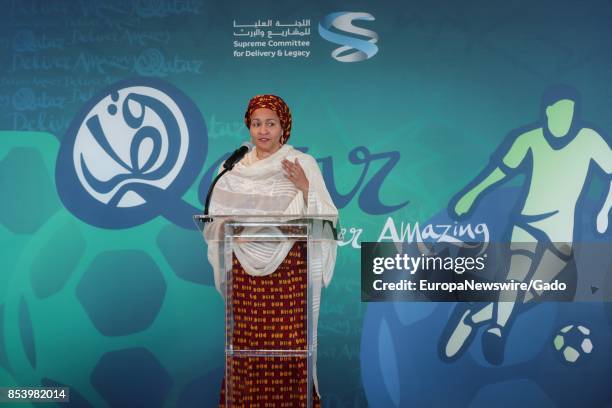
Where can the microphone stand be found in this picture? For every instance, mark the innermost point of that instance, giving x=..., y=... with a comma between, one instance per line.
x=210, y=190
x=227, y=166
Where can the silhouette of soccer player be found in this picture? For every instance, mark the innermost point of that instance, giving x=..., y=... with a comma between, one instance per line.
x=558, y=157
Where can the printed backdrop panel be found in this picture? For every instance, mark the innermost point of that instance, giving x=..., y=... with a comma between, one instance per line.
x=431, y=121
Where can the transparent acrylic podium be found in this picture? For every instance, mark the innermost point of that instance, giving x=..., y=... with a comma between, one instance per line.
x=225, y=235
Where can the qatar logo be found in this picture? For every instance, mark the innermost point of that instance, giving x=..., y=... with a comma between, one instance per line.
x=131, y=154
x=352, y=49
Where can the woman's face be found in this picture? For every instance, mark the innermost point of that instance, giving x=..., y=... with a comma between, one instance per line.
x=265, y=132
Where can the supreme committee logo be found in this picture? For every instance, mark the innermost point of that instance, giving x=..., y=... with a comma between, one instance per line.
x=130, y=153
x=353, y=49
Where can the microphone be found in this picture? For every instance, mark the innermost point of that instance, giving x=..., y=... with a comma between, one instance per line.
x=237, y=155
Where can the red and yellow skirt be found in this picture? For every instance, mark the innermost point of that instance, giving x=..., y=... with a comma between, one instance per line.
x=269, y=314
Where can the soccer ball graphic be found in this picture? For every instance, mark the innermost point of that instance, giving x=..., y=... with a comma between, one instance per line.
x=573, y=342
x=121, y=317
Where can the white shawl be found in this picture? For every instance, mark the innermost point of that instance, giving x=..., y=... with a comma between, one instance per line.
x=259, y=187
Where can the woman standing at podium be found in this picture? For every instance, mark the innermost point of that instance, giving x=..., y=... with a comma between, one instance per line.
x=274, y=178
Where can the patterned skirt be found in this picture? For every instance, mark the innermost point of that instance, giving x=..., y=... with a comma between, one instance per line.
x=269, y=314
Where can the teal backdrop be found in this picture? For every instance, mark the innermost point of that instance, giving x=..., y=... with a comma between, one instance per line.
x=113, y=296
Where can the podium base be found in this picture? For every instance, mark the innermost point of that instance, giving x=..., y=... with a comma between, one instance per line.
x=268, y=382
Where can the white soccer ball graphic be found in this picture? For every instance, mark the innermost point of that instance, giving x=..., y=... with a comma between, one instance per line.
x=573, y=342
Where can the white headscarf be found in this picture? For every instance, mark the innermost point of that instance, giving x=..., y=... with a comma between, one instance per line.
x=259, y=187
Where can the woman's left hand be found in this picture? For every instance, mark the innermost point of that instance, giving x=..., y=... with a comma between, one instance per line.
x=295, y=173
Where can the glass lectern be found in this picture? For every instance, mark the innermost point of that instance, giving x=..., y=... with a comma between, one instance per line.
x=269, y=270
